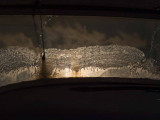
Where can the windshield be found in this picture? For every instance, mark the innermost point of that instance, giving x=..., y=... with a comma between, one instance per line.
x=78, y=46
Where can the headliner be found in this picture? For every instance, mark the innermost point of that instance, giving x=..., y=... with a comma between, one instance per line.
x=125, y=8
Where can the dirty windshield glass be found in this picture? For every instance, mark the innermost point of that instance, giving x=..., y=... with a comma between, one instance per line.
x=78, y=46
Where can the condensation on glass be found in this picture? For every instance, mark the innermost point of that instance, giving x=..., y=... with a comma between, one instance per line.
x=78, y=46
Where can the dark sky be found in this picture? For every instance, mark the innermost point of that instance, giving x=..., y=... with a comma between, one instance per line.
x=67, y=32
